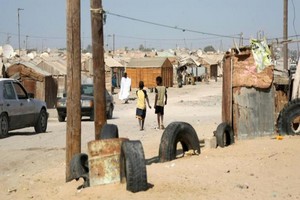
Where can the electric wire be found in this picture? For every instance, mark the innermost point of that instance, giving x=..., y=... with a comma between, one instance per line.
x=236, y=36
x=171, y=27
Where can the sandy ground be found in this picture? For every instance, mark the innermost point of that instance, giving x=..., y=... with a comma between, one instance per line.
x=32, y=166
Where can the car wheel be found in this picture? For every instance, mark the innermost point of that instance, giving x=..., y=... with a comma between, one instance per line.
x=110, y=113
x=92, y=117
x=3, y=125
x=61, y=118
x=41, y=124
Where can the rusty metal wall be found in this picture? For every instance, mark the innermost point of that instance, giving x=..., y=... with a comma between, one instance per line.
x=105, y=161
x=253, y=112
x=213, y=71
x=50, y=91
x=250, y=110
x=30, y=86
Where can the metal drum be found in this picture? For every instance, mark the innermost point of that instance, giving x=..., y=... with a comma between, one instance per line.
x=104, y=161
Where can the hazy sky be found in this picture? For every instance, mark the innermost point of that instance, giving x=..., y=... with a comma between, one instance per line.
x=44, y=22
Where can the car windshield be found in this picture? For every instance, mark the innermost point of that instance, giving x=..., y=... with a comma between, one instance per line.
x=87, y=90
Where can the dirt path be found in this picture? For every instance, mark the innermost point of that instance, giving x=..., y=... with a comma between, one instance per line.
x=33, y=166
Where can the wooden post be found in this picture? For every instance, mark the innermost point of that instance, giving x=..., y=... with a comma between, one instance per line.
x=73, y=135
x=285, y=34
x=98, y=66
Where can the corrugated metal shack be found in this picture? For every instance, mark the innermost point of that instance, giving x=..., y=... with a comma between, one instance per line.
x=213, y=63
x=117, y=69
x=147, y=69
x=36, y=81
x=58, y=71
x=248, y=102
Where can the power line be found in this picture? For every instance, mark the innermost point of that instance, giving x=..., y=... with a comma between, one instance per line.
x=236, y=36
x=171, y=27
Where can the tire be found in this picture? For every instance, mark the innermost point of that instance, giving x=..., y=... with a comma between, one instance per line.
x=61, y=118
x=134, y=166
x=224, y=135
x=4, y=125
x=79, y=168
x=109, y=131
x=177, y=132
x=180, y=84
x=110, y=112
x=41, y=124
x=92, y=116
x=286, y=117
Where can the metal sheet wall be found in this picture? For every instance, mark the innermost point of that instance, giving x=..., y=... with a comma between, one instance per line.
x=253, y=112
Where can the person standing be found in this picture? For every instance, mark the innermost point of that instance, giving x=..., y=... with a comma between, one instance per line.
x=142, y=98
x=160, y=101
x=125, y=88
x=113, y=83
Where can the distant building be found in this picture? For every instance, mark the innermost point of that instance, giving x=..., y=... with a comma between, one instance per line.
x=147, y=69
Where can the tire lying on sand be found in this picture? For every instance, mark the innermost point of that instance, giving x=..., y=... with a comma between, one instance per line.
x=109, y=131
x=133, y=165
x=285, y=121
x=174, y=133
x=79, y=168
x=224, y=135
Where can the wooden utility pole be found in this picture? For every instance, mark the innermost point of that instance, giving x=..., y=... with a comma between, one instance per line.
x=285, y=34
x=73, y=135
x=98, y=66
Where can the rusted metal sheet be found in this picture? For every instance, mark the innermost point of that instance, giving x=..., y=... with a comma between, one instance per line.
x=104, y=161
x=50, y=91
x=281, y=99
x=253, y=112
x=30, y=85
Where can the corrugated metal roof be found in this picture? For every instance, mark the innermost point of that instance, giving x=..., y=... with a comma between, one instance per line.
x=111, y=62
x=211, y=59
x=147, y=62
x=165, y=54
x=34, y=67
x=57, y=68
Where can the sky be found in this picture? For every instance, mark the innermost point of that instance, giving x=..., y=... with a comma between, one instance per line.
x=191, y=24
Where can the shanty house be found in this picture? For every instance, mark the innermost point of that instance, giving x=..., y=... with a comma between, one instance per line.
x=117, y=69
x=147, y=69
x=36, y=81
x=213, y=63
x=58, y=70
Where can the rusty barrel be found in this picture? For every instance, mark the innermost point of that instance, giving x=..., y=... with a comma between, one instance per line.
x=104, y=161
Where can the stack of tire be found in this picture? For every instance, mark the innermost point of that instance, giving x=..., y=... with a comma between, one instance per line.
x=132, y=160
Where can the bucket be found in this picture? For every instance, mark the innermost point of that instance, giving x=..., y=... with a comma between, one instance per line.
x=104, y=161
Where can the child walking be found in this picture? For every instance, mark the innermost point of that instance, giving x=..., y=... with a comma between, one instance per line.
x=142, y=98
x=160, y=101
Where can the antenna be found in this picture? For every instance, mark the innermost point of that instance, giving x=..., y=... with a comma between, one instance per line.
x=8, y=51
